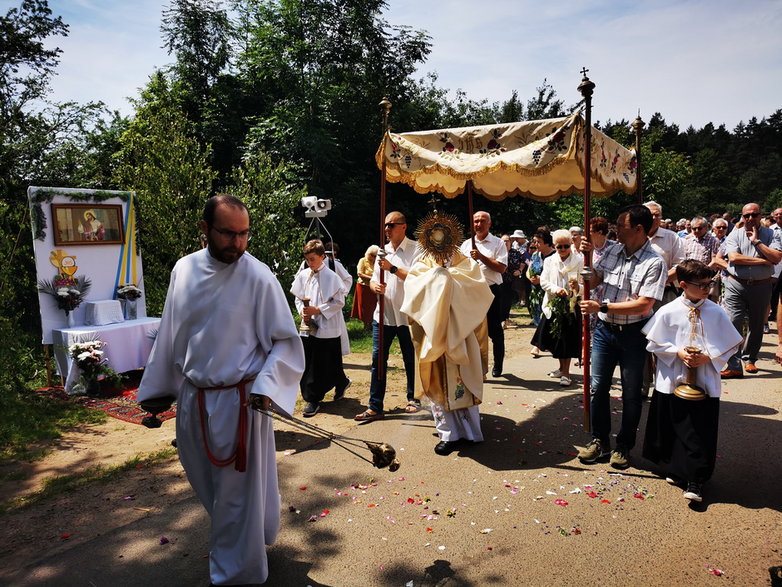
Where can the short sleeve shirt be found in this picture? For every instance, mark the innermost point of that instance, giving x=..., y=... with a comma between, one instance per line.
x=494, y=248
x=669, y=246
x=626, y=278
x=404, y=256
x=701, y=249
x=738, y=242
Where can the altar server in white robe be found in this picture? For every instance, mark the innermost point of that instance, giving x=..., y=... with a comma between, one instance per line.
x=689, y=332
x=227, y=341
x=327, y=338
x=446, y=299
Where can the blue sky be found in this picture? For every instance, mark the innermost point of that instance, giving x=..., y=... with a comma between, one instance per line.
x=695, y=61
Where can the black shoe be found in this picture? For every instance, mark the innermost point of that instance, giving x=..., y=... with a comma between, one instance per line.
x=496, y=371
x=339, y=391
x=446, y=447
x=310, y=409
x=694, y=492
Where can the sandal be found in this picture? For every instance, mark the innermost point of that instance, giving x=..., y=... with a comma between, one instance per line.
x=367, y=416
x=412, y=407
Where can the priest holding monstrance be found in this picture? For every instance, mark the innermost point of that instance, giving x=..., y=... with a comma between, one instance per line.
x=227, y=344
x=446, y=299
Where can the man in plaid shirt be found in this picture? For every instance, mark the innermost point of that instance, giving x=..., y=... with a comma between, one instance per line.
x=700, y=244
x=633, y=276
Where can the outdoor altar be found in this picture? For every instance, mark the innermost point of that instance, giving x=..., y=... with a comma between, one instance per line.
x=90, y=275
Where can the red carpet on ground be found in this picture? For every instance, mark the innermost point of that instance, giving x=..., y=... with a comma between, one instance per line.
x=117, y=403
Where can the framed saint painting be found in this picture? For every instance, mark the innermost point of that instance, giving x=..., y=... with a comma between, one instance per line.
x=87, y=224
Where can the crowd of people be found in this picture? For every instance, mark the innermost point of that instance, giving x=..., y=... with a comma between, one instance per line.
x=680, y=297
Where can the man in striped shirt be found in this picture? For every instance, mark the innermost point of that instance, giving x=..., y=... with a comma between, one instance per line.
x=633, y=276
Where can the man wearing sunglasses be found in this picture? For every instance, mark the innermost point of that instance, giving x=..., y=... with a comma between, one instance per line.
x=752, y=253
x=395, y=259
x=701, y=244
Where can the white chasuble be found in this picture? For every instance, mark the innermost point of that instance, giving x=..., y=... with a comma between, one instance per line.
x=447, y=308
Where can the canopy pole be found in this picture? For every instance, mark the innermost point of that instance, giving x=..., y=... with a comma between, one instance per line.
x=586, y=87
x=385, y=105
x=638, y=126
x=470, y=222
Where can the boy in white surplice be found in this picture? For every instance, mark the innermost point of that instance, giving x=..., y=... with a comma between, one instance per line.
x=689, y=332
x=327, y=338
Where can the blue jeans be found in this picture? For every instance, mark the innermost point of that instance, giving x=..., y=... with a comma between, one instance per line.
x=377, y=387
x=627, y=347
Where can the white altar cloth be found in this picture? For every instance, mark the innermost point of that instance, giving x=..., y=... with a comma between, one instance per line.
x=128, y=343
x=103, y=312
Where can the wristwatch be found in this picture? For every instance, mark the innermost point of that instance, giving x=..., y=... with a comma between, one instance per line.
x=604, y=307
x=393, y=269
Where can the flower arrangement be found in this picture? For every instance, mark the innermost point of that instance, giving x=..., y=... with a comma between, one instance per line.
x=563, y=309
x=68, y=292
x=129, y=291
x=88, y=357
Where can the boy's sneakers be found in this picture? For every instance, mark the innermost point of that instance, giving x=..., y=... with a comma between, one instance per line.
x=620, y=458
x=310, y=409
x=694, y=492
x=593, y=452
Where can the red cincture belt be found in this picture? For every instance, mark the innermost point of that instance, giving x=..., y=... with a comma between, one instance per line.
x=240, y=454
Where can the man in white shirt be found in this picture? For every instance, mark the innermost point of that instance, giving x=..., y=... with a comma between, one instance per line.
x=491, y=254
x=776, y=215
x=400, y=255
x=668, y=245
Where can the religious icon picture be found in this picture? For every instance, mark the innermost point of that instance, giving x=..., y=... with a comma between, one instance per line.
x=87, y=224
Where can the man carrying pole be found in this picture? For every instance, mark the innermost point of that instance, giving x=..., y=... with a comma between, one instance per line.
x=633, y=277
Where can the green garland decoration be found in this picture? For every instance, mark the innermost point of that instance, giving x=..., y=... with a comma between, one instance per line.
x=46, y=195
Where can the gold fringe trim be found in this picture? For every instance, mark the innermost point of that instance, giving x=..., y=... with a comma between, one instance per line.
x=607, y=188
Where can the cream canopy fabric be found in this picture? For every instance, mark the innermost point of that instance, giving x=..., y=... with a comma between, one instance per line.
x=541, y=159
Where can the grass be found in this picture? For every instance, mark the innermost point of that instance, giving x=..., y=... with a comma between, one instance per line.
x=97, y=474
x=27, y=420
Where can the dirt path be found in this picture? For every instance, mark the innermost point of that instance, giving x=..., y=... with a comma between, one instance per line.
x=536, y=427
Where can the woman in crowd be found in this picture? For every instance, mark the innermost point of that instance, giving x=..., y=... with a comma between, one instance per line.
x=544, y=248
x=512, y=273
x=364, y=300
x=559, y=330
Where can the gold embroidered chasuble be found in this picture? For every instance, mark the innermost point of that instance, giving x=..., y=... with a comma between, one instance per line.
x=447, y=309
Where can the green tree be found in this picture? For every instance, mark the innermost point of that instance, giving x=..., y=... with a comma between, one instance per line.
x=162, y=161
x=271, y=194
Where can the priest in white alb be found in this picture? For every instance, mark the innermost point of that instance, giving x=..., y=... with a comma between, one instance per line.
x=227, y=343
